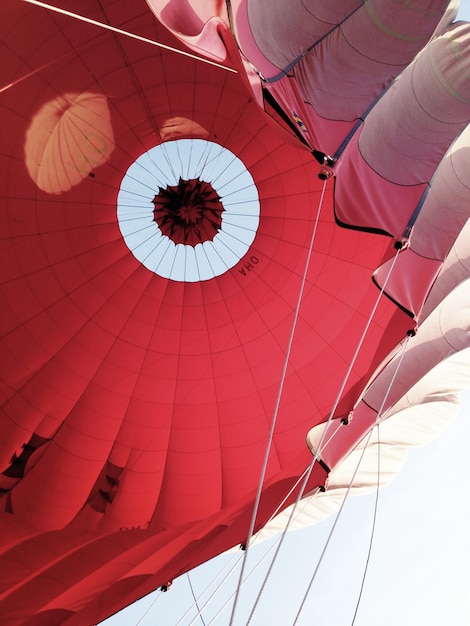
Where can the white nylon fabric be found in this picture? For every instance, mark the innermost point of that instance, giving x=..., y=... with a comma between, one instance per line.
x=409, y=427
x=455, y=269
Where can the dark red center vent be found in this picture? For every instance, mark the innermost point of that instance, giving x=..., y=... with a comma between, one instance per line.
x=189, y=212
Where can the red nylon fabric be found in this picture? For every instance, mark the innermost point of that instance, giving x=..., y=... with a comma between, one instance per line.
x=135, y=409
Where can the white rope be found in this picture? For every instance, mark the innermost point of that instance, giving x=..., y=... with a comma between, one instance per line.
x=149, y=608
x=286, y=528
x=278, y=548
x=236, y=556
x=247, y=578
x=126, y=33
x=372, y=532
x=234, y=565
x=230, y=565
x=376, y=425
x=19, y=80
x=351, y=482
x=275, y=543
x=199, y=614
x=330, y=417
x=276, y=409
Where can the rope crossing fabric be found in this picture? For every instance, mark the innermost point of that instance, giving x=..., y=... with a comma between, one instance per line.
x=276, y=409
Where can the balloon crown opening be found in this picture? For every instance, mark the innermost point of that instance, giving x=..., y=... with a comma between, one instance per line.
x=189, y=212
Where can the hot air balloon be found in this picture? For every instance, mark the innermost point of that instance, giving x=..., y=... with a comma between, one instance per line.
x=194, y=251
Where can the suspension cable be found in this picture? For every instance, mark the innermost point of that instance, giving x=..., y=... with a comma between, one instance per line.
x=328, y=422
x=232, y=567
x=199, y=614
x=254, y=540
x=284, y=531
x=377, y=426
x=275, y=543
x=247, y=578
x=126, y=33
x=149, y=608
x=278, y=401
x=214, y=593
x=374, y=521
x=351, y=482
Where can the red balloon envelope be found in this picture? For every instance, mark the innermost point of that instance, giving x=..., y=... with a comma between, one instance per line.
x=156, y=226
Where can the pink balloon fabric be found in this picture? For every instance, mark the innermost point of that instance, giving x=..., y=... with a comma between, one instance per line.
x=137, y=400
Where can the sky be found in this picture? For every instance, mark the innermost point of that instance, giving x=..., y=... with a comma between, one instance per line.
x=419, y=564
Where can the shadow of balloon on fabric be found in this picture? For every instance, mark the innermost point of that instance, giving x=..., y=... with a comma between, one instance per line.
x=67, y=139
